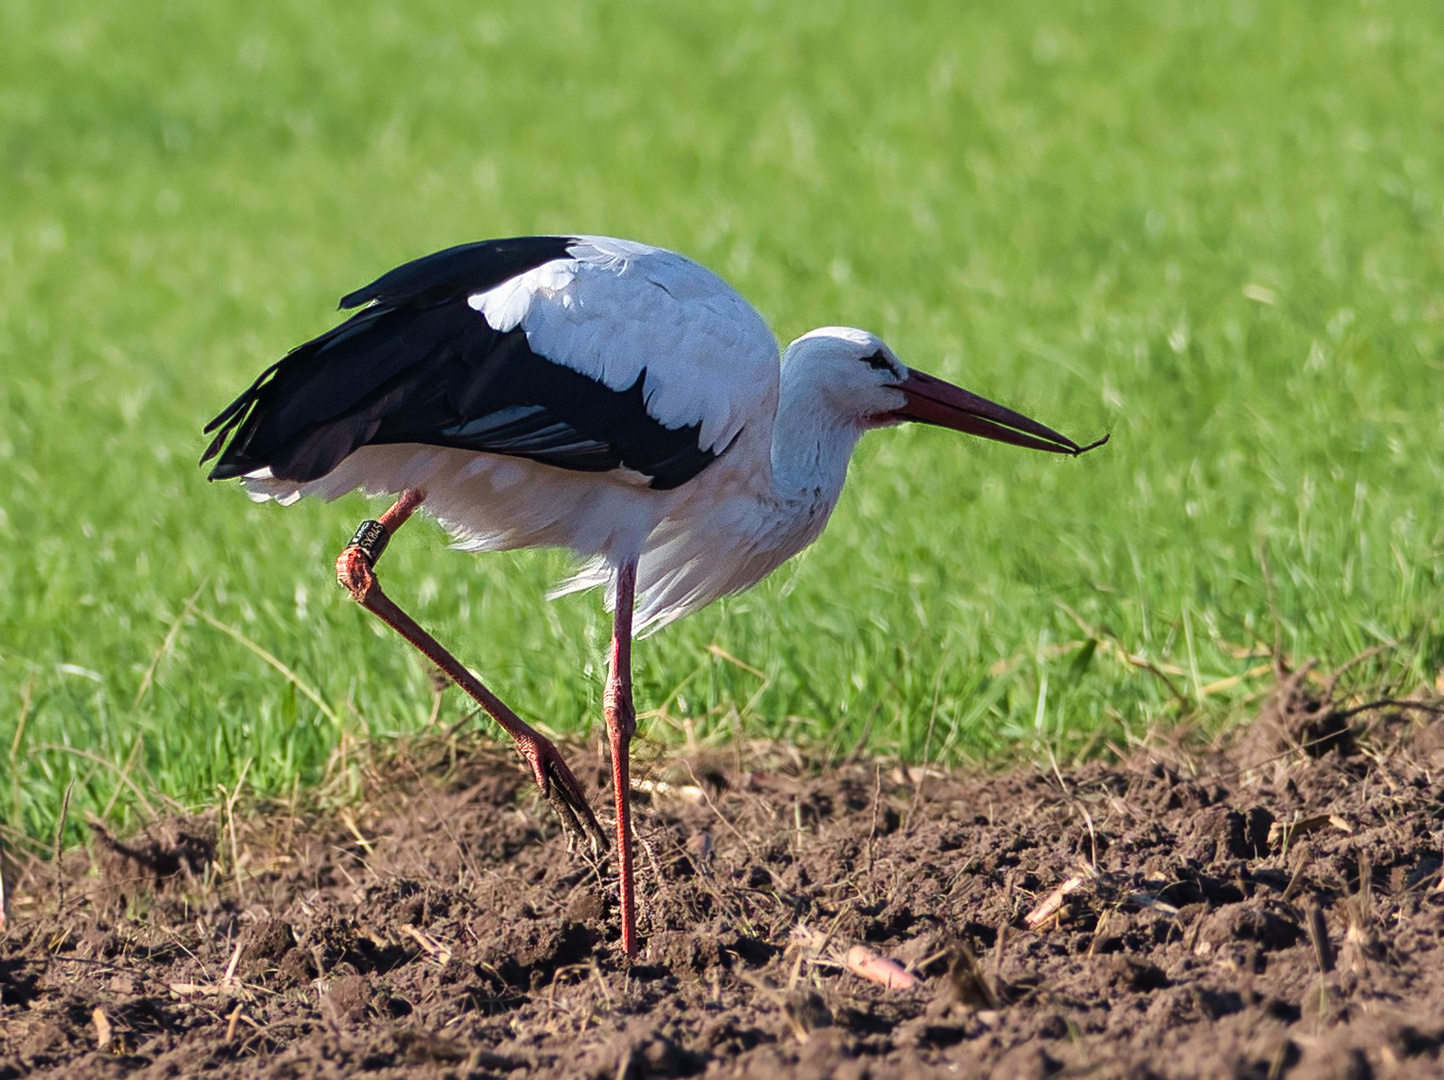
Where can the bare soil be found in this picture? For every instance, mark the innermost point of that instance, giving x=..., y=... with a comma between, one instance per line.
x=1272, y=909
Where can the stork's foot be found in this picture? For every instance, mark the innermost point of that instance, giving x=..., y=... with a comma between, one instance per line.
x=559, y=786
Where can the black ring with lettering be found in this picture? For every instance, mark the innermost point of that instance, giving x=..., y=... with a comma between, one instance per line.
x=371, y=537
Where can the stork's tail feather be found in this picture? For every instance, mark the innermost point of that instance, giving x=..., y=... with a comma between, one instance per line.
x=592, y=574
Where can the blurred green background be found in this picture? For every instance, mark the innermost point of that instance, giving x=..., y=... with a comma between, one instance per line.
x=1213, y=229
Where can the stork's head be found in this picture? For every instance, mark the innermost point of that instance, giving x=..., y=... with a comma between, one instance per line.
x=858, y=379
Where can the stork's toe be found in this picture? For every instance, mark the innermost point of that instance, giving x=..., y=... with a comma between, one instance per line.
x=562, y=789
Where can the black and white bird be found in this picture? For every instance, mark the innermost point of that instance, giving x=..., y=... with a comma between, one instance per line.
x=595, y=394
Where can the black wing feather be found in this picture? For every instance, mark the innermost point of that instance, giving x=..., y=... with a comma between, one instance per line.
x=460, y=271
x=418, y=365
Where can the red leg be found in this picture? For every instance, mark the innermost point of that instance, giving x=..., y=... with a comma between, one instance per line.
x=355, y=570
x=621, y=718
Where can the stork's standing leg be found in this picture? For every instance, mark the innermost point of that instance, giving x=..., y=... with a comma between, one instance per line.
x=621, y=718
x=355, y=569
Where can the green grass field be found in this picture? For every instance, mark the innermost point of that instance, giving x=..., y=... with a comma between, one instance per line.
x=1213, y=229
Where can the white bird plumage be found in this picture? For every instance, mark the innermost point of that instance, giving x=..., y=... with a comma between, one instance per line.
x=615, y=311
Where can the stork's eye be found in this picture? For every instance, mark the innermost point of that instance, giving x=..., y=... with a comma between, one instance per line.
x=878, y=362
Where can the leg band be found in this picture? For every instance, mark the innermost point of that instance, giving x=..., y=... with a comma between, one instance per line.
x=371, y=537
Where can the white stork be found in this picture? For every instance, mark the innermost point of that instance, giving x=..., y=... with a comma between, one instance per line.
x=589, y=393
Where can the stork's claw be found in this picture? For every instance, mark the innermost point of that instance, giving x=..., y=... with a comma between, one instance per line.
x=571, y=807
x=559, y=786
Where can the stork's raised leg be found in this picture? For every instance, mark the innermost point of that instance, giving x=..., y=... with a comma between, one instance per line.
x=355, y=569
x=621, y=718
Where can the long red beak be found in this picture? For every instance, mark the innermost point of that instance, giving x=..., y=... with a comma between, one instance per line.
x=933, y=401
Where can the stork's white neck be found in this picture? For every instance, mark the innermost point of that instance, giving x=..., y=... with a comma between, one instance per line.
x=811, y=443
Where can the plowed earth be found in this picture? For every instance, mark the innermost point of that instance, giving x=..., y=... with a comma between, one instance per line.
x=1269, y=910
